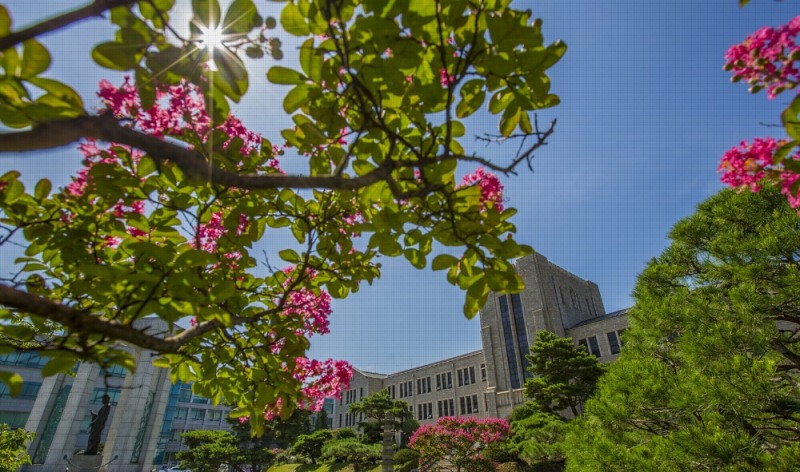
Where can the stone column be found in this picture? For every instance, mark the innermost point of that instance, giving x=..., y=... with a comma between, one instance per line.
x=131, y=439
x=42, y=414
x=69, y=427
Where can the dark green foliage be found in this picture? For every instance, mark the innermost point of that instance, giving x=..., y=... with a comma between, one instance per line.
x=310, y=445
x=351, y=451
x=709, y=376
x=13, y=453
x=208, y=450
x=563, y=375
x=405, y=460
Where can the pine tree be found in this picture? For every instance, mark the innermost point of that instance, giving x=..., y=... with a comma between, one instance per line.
x=563, y=375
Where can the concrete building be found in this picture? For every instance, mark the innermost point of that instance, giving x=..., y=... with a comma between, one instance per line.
x=148, y=413
x=489, y=382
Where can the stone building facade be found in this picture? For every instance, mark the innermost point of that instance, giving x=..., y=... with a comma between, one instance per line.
x=489, y=382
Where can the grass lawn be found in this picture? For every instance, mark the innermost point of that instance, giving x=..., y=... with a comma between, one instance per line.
x=318, y=468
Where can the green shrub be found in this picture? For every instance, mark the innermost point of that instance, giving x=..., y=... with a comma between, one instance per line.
x=351, y=451
x=344, y=433
x=405, y=460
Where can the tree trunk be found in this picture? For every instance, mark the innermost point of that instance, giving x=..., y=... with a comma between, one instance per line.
x=388, y=440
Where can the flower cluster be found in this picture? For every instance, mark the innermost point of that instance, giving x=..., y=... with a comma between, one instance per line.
x=767, y=59
x=461, y=441
x=749, y=165
x=491, y=188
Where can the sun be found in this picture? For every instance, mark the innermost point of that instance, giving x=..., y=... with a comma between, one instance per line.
x=211, y=38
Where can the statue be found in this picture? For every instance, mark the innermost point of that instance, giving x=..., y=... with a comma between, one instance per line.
x=96, y=427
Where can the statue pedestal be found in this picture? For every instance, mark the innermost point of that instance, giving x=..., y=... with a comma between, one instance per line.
x=81, y=463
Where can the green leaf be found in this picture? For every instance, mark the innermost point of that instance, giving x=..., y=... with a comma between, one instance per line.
x=5, y=21
x=207, y=12
x=42, y=189
x=12, y=379
x=61, y=362
x=60, y=90
x=290, y=255
x=232, y=71
x=477, y=293
x=791, y=119
x=297, y=97
x=222, y=291
x=285, y=76
x=509, y=120
x=240, y=17
x=35, y=59
x=443, y=261
x=117, y=56
x=293, y=21
x=311, y=60
x=743, y=3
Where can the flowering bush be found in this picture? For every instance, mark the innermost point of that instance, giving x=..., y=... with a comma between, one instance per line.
x=768, y=59
x=459, y=441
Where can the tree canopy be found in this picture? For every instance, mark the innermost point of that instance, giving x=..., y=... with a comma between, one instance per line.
x=562, y=375
x=708, y=379
x=175, y=190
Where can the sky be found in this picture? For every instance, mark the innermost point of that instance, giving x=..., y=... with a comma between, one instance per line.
x=646, y=113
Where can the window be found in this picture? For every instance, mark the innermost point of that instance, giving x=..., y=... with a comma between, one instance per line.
x=449, y=380
x=361, y=393
x=199, y=400
x=393, y=392
x=340, y=420
x=181, y=413
x=86, y=423
x=185, y=395
x=28, y=392
x=176, y=435
x=197, y=415
x=409, y=389
x=214, y=415
x=463, y=406
x=522, y=332
x=114, y=371
x=439, y=383
x=483, y=372
x=452, y=404
x=508, y=339
x=460, y=378
x=472, y=374
x=475, y=403
x=613, y=342
x=439, y=408
x=582, y=342
x=595, y=347
x=24, y=359
x=14, y=419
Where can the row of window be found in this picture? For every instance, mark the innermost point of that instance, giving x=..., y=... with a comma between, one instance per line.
x=350, y=419
x=592, y=345
x=197, y=414
x=469, y=404
x=446, y=407
x=14, y=419
x=28, y=392
x=112, y=392
x=24, y=359
x=350, y=396
x=466, y=376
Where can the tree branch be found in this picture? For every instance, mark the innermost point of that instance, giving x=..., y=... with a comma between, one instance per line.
x=78, y=322
x=63, y=132
x=65, y=19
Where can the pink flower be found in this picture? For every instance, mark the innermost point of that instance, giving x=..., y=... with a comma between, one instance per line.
x=767, y=59
x=446, y=79
x=491, y=188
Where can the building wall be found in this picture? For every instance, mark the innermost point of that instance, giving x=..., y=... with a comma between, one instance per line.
x=553, y=299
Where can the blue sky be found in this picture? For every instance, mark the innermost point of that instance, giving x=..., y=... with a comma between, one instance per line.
x=646, y=113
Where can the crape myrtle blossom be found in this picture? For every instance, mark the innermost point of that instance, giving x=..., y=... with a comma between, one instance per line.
x=491, y=188
x=767, y=59
x=216, y=227
x=460, y=441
